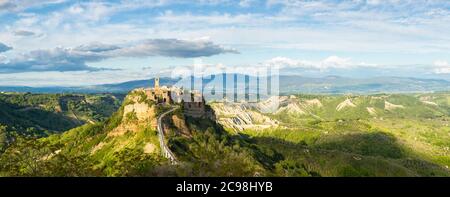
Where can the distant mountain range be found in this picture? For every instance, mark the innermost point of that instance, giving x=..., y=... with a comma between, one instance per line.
x=103, y=88
x=287, y=84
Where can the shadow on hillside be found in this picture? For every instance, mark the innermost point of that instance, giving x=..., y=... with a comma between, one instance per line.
x=353, y=154
x=29, y=117
x=369, y=144
x=358, y=154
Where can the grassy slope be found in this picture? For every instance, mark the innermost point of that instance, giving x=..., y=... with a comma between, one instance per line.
x=409, y=141
x=89, y=149
x=42, y=114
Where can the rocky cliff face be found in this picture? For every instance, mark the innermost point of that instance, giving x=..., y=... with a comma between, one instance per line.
x=256, y=116
x=137, y=113
x=240, y=116
x=135, y=130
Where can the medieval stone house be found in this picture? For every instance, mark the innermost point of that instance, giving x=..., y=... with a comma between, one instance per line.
x=192, y=102
x=159, y=94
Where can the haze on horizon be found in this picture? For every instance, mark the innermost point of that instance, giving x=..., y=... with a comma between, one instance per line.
x=68, y=43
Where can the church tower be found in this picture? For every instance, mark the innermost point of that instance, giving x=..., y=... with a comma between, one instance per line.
x=156, y=83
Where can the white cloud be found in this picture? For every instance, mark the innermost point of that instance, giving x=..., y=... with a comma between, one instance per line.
x=76, y=9
x=3, y=59
x=6, y=5
x=212, y=19
x=71, y=78
x=329, y=62
x=441, y=67
x=17, y=6
x=24, y=33
x=350, y=25
x=93, y=11
x=441, y=63
x=173, y=48
x=246, y=3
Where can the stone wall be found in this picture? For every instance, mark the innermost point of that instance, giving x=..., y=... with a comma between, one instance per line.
x=194, y=109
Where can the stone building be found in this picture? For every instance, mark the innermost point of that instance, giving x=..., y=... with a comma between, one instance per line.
x=193, y=103
x=159, y=94
x=194, y=106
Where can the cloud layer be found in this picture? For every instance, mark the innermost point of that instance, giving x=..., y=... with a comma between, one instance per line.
x=442, y=67
x=24, y=33
x=58, y=59
x=15, y=6
x=327, y=63
x=321, y=36
x=76, y=59
x=173, y=48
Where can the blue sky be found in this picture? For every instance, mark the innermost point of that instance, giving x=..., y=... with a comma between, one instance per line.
x=62, y=42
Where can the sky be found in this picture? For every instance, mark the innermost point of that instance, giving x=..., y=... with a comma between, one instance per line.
x=72, y=43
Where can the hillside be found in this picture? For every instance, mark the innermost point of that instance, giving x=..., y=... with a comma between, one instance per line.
x=43, y=114
x=309, y=135
x=353, y=135
x=127, y=145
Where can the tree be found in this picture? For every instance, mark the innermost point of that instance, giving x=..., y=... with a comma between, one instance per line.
x=3, y=137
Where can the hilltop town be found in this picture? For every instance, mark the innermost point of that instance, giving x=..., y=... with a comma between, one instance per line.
x=192, y=102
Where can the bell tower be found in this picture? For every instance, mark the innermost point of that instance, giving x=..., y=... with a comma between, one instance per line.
x=156, y=83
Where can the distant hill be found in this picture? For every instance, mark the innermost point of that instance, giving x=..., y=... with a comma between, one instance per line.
x=103, y=88
x=335, y=84
x=288, y=84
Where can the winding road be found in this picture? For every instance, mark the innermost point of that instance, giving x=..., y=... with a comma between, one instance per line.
x=165, y=151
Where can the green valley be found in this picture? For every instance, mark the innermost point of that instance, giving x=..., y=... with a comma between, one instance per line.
x=308, y=135
x=27, y=114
